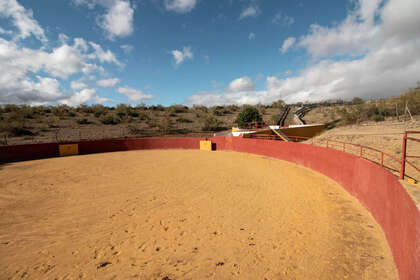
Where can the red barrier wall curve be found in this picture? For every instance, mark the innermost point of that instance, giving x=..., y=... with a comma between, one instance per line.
x=375, y=187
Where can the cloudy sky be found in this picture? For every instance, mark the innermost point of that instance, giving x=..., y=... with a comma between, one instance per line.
x=206, y=51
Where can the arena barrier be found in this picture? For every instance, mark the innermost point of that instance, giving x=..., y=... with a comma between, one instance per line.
x=376, y=188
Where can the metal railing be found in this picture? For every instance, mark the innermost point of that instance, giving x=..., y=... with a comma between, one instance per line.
x=386, y=160
x=369, y=153
x=398, y=166
x=404, y=155
x=251, y=125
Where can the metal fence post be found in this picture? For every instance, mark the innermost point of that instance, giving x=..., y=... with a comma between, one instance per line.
x=382, y=159
x=361, y=151
x=403, y=155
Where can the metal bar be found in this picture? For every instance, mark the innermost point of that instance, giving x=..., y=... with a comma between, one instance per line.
x=407, y=156
x=403, y=154
x=413, y=139
x=361, y=151
x=412, y=165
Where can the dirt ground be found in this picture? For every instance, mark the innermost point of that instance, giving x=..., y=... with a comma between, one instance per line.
x=183, y=215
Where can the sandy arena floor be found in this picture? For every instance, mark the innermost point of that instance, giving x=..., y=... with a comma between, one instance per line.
x=183, y=215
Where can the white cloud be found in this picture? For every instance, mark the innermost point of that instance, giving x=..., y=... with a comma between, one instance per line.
x=7, y=32
x=239, y=91
x=63, y=38
x=251, y=36
x=118, y=21
x=108, y=82
x=100, y=100
x=251, y=11
x=61, y=62
x=359, y=33
x=381, y=44
x=180, y=6
x=104, y=56
x=118, y=18
x=80, y=97
x=22, y=19
x=181, y=55
x=284, y=20
x=77, y=85
x=33, y=76
x=127, y=48
x=241, y=84
x=29, y=91
x=89, y=3
x=135, y=95
x=19, y=64
x=289, y=42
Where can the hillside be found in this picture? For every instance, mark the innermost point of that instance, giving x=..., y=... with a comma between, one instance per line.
x=40, y=124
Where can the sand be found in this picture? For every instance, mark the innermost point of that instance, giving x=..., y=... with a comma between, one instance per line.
x=183, y=215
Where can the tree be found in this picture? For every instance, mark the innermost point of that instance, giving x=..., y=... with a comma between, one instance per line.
x=357, y=100
x=248, y=114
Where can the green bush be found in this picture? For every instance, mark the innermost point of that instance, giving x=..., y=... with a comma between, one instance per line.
x=165, y=125
x=377, y=118
x=184, y=120
x=221, y=111
x=248, y=114
x=60, y=111
x=83, y=121
x=10, y=108
x=99, y=110
x=157, y=108
x=279, y=104
x=109, y=119
x=20, y=131
x=210, y=123
x=134, y=129
x=178, y=109
x=133, y=113
x=84, y=109
x=200, y=108
x=357, y=100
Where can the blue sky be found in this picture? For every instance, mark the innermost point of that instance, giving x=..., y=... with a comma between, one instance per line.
x=205, y=52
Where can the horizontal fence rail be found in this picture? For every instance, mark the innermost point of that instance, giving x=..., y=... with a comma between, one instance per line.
x=386, y=160
x=382, y=158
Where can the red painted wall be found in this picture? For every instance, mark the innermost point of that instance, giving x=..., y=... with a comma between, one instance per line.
x=28, y=152
x=376, y=188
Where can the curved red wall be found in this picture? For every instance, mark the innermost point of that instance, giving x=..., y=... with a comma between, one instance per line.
x=375, y=187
